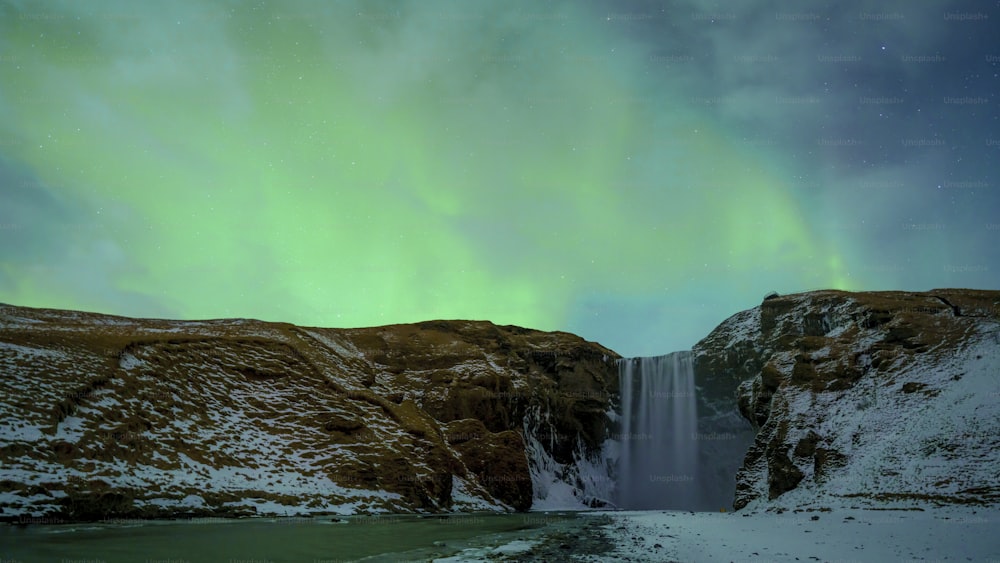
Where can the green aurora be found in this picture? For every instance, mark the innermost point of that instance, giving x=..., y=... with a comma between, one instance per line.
x=355, y=164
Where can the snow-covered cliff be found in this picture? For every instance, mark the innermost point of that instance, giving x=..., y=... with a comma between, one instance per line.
x=877, y=397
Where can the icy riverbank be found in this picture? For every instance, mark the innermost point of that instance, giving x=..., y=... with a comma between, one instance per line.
x=954, y=533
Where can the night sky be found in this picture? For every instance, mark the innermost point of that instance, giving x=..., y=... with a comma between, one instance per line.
x=631, y=171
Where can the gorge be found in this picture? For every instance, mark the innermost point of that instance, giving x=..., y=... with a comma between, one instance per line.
x=874, y=397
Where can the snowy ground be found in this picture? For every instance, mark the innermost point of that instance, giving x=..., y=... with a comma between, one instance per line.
x=840, y=535
x=510, y=551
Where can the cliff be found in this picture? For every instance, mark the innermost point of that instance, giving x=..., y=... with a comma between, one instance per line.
x=878, y=397
x=809, y=399
x=111, y=417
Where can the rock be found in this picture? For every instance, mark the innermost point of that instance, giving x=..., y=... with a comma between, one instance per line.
x=724, y=432
x=806, y=447
x=264, y=414
x=818, y=377
x=826, y=462
x=499, y=461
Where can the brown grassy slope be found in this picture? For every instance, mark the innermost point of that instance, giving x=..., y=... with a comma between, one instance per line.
x=308, y=418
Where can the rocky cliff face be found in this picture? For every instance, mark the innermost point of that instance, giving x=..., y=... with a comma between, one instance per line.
x=875, y=397
x=110, y=417
x=723, y=436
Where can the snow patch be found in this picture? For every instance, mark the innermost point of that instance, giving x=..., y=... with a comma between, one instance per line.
x=951, y=533
x=129, y=361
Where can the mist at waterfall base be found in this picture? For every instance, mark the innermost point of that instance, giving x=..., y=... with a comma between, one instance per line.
x=659, y=466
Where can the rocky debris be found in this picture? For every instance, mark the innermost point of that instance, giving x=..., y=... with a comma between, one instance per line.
x=111, y=417
x=864, y=394
x=588, y=540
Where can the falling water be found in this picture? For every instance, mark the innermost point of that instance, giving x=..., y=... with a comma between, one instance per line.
x=658, y=464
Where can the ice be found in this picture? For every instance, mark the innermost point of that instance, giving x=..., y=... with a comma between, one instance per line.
x=485, y=554
x=570, y=486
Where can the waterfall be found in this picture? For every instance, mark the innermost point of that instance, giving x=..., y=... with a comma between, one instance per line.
x=658, y=460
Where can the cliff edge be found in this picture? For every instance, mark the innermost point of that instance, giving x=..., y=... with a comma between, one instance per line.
x=876, y=397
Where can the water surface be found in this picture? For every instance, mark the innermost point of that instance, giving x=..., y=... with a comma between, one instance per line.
x=328, y=540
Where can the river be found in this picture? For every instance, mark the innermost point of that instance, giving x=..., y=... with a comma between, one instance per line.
x=273, y=540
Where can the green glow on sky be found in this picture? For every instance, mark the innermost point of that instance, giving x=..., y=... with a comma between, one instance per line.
x=312, y=165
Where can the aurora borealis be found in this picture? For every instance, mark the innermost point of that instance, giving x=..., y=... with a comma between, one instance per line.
x=633, y=172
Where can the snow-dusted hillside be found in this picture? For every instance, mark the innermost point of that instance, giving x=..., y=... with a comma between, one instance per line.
x=877, y=398
x=869, y=399
x=109, y=417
